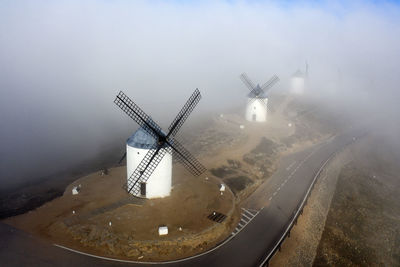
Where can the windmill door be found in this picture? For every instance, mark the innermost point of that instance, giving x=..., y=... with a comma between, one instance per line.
x=254, y=117
x=143, y=189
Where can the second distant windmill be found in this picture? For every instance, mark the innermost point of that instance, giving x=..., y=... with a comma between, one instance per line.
x=257, y=103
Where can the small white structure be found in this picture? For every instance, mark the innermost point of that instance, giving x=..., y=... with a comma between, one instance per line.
x=256, y=109
x=298, y=83
x=163, y=230
x=222, y=188
x=76, y=189
x=159, y=183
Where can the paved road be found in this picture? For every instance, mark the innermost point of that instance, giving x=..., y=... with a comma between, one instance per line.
x=276, y=202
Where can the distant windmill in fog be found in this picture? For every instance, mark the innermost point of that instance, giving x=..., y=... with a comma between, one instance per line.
x=257, y=107
x=149, y=150
x=298, y=81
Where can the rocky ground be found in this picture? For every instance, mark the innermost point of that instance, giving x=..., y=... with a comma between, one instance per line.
x=352, y=217
x=363, y=224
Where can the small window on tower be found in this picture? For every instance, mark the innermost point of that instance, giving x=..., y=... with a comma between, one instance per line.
x=254, y=107
x=138, y=153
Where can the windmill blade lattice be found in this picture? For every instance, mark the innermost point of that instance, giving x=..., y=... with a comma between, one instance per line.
x=189, y=161
x=246, y=80
x=266, y=86
x=138, y=115
x=184, y=113
x=122, y=158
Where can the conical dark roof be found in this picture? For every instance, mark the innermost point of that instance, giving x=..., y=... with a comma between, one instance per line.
x=258, y=92
x=298, y=73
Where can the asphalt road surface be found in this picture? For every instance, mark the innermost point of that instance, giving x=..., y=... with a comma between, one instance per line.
x=276, y=202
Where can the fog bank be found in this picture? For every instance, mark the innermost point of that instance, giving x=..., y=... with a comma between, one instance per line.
x=62, y=63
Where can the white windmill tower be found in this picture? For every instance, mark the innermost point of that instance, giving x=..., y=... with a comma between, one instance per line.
x=149, y=166
x=298, y=81
x=159, y=183
x=257, y=103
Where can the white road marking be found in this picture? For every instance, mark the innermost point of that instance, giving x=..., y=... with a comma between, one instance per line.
x=291, y=165
x=246, y=216
x=242, y=223
x=244, y=220
x=248, y=212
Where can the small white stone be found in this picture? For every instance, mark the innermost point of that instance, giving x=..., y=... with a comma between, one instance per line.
x=75, y=190
x=162, y=230
x=180, y=228
x=73, y=212
x=241, y=126
x=221, y=115
x=289, y=124
x=222, y=188
x=109, y=224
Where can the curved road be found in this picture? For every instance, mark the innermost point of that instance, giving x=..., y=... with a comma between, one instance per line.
x=267, y=215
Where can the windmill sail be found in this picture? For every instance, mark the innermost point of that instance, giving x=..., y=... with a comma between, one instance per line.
x=163, y=142
x=137, y=114
x=184, y=113
x=246, y=80
x=271, y=82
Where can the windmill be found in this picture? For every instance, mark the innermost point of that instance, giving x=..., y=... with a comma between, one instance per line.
x=150, y=147
x=256, y=109
x=298, y=81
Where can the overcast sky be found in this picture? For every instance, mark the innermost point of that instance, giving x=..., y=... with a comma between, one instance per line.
x=63, y=62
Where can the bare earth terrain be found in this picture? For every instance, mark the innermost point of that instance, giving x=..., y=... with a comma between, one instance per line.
x=83, y=221
x=104, y=220
x=352, y=217
x=363, y=224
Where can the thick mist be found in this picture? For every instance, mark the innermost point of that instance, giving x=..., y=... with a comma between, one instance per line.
x=63, y=62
